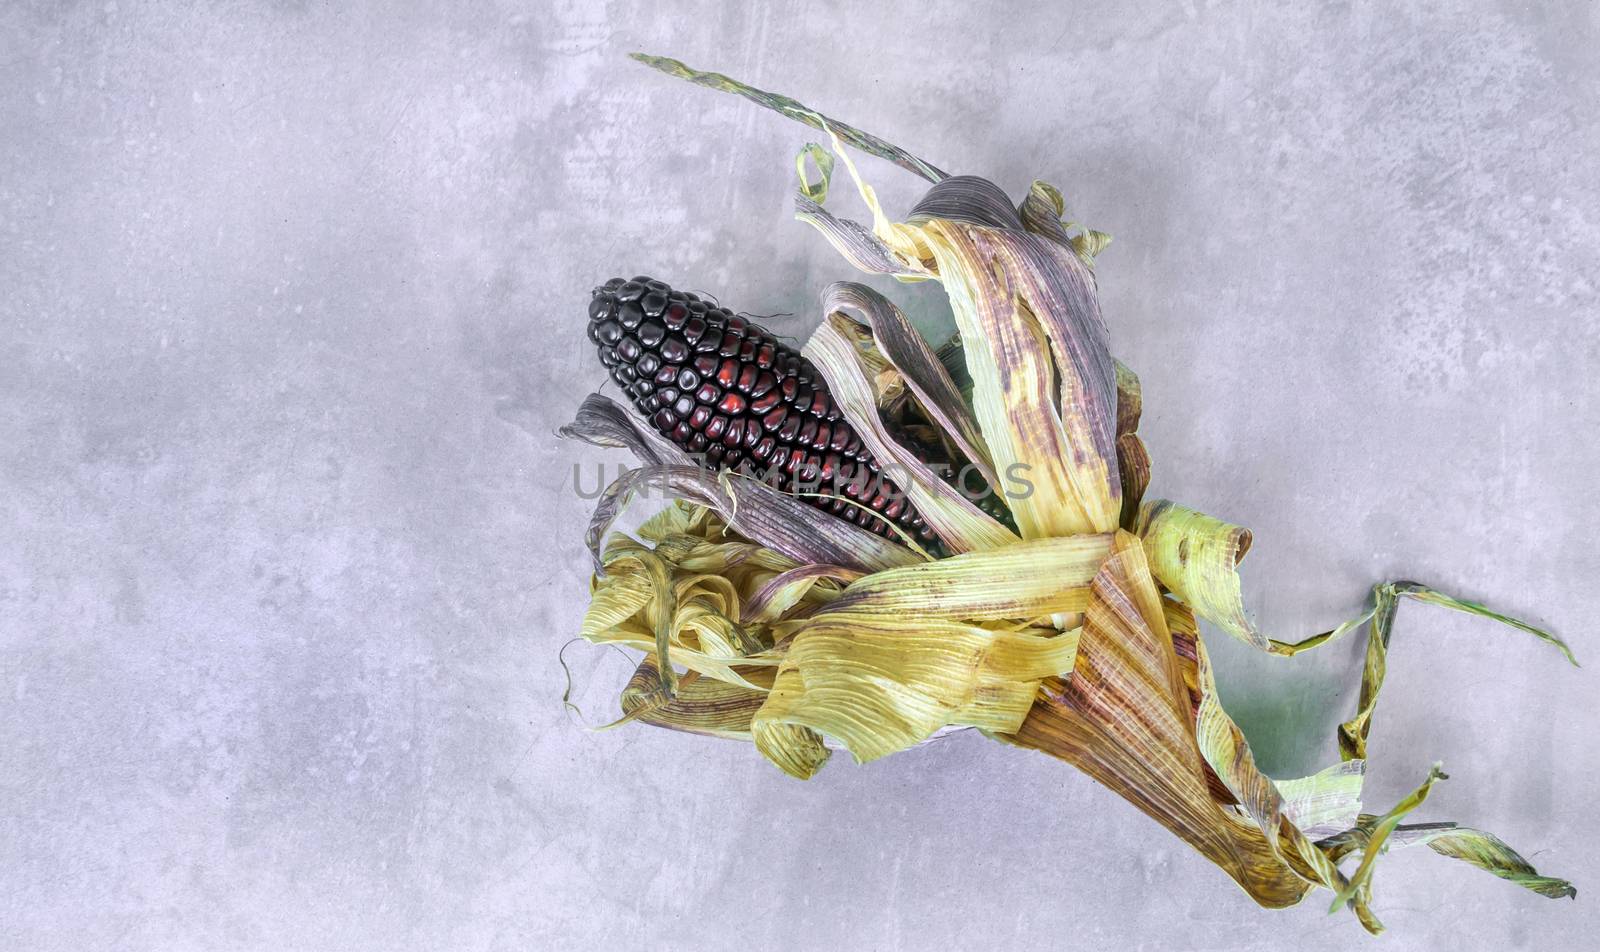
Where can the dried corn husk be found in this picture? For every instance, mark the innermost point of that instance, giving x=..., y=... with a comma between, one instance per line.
x=1076, y=635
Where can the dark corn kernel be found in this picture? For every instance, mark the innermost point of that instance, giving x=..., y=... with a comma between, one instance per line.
x=764, y=403
x=674, y=350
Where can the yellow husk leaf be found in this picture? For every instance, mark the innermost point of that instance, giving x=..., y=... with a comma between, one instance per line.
x=1037, y=433
x=878, y=665
x=1027, y=580
x=702, y=706
x=880, y=684
x=682, y=599
x=1125, y=717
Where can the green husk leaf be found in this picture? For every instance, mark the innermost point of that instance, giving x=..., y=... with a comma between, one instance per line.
x=1359, y=889
x=1228, y=754
x=1196, y=557
x=1489, y=853
x=1353, y=733
x=1423, y=593
x=824, y=161
x=1326, y=802
x=1477, y=847
x=870, y=144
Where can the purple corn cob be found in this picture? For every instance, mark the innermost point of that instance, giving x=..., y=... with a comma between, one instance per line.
x=726, y=390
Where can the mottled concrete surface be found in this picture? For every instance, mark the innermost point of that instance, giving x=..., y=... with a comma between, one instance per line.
x=293, y=300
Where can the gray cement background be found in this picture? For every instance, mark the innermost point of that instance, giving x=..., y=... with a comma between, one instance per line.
x=291, y=300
